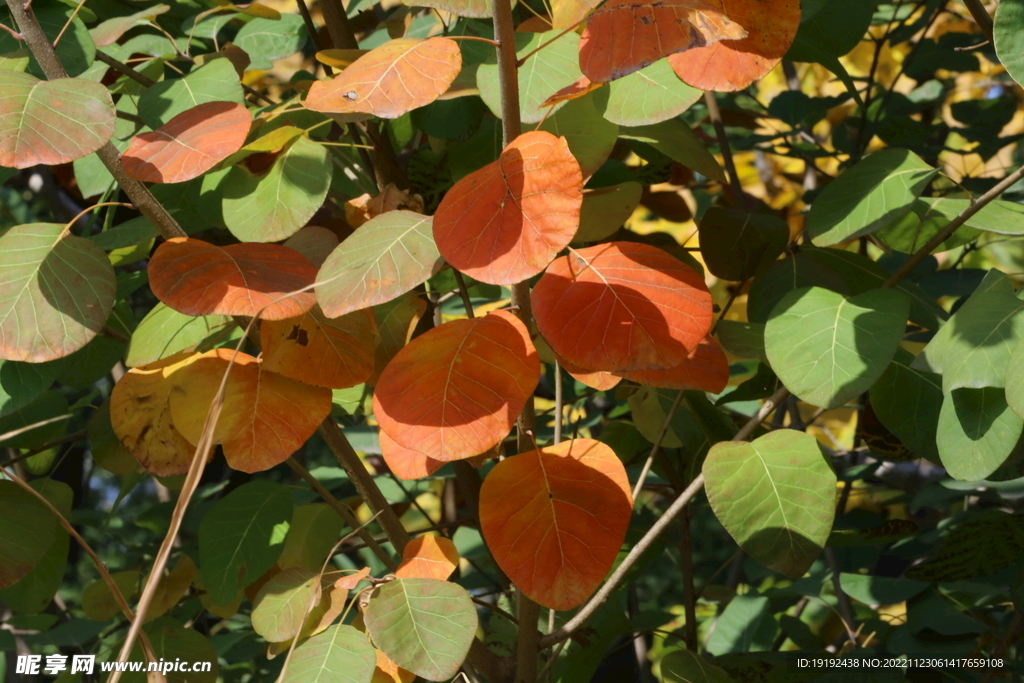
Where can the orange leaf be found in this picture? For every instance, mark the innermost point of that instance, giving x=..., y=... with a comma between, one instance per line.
x=455, y=391
x=505, y=222
x=390, y=80
x=141, y=418
x=350, y=581
x=198, y=278
x=622, y=306
x=706, y=369
x=555, y=519
x=266, y=416
x=188, y=145
x=406, y=463
x=624, y=36
x=387, y=671
x=727, y=66
x=602, y=380
x=315, y=349
x=428, y=557
x=574, y=90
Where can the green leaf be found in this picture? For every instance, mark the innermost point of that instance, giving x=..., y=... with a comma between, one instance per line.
x=51, y=122
x=872, y=194
x=98, y=601
x=678, y=142
x=423, y=625
x=977, y=431
x=880, y=590
x=746, y=625
x=240, y=537
x=172, y=642
x=1005, y=218
x=76, y=50
x=907, y=401
x=164, y=332
x=266, y=40
x=282, y=603
x=683, y=666
x=648, y=96
x=276, y=205
x=1008, y=34
x=606, y=209
x=589, y=135
x=775, y=496
x=383, y=259
x=737, y=245
x=216, y=81
x=984, y=543
x=314, y=530
x=56, y=292
x=25, y=536
x=827, y=348
x=543, y=74
x=927, y=218
x=34, y=592
x=830, y=32
x=21, y=383
x=48, y=405
x=974, y=346
x=340, y=654
x=743, y=340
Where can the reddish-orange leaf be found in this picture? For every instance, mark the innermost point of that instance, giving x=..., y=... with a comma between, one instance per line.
x=188, y=145
x=574, y=90
x=624, y=36
x=455, y=391
x=505, y=222
x=141, y=418
x=428, y=557
x=406, y=463
x=350, y=581
x=315, y=349
x=622, y=306
x=266, y=416
x=602, y=380
x=733, y=65
x=198, y=278
x=390, y=80
x=706, y=369
x=387, y=671
x=556, y=518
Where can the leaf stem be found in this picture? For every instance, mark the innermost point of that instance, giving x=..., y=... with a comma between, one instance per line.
x=657, y=446
x=656, y=529
x=464, y=294
x=67, y=23
x=715, y=114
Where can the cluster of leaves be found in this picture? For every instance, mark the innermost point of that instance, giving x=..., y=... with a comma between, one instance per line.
x=367, y=248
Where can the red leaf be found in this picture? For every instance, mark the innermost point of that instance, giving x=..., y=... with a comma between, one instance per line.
x=455, y=391
x=505, y=222
x=733, y=65
x=390, y=80
x=406, y=463
x=556, y=518
x=622, y=306
x=706, y=369
x=188, y=145
x=199, y=278
x=624, y=36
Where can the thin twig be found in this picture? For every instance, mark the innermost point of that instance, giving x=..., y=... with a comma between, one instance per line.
x=656, y=529
x=74, y=436
x=464, y=293
x=843, y=600
x=559, y=403
x=723, y=142
x=728, y=304
x=64, y=28
x=657, y=446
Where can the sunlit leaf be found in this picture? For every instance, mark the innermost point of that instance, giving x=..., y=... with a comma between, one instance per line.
x=274, y=205
x=280, y=608
x=455, y=391
x=651, y=95
x=216, y=81
x=188, y=145
x=827, y=348
x=266, y=416
x=340, y=654
x=406, y=463
x=428, y=557
x=386, y=257
x=396, y=322
x=775, y=496
x=390, y=80
x=199, y=278
x=540, y=76
x=56, y=292
x=590, y=136
x=622, y=37
x=51, y=122
x=326, y=352
x=241, y=536
x=622, y=306
x=164, y=332
x=423, y=625
x=505, y=222
x=977, y=432
x=108, y=32
x=267, y=40
x=314, y=530
x=555, y=519
x=730, y=65
x=1009, y=38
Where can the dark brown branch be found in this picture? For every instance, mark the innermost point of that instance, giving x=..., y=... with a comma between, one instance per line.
x=981, y=17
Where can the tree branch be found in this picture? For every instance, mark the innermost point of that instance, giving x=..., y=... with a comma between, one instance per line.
x=139, y=194
x=981, y=17
x=652, y=534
